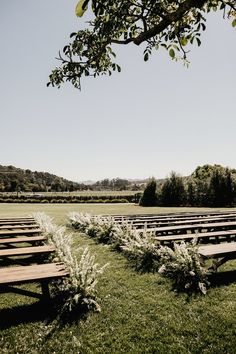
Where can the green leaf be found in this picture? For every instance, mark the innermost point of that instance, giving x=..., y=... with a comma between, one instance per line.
x=172, y=53
x=146, y=56
x=183, y=41
x=81, y=7
x=198, y=41
x=234, y=23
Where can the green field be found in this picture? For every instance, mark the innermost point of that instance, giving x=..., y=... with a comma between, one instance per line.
x=140, y=312
x=60, y=211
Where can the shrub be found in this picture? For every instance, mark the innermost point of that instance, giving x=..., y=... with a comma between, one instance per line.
x=149, y=197
x=79, y=289
x=183, y=265
x=141, y=250
x=104, y=229
x=173, y=191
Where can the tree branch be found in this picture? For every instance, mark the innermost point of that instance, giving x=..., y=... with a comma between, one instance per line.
x=169, y=18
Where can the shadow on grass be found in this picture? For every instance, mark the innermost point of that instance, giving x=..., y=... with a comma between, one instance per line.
x=222, y=278
x=39, y=311
x=14, y=316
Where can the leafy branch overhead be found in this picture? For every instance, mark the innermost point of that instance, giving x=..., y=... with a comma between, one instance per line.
x=173, y=25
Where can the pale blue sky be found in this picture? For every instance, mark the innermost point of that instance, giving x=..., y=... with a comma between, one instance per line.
x=152, y=118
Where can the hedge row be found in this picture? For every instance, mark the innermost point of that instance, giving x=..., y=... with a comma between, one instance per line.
x=72, y=199
x=66, y=200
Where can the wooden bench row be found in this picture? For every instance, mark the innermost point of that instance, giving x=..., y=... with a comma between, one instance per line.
x=17, y=248
x=155, y=224
x=42, y=273
x=176, y=219
x=17, y=226
x=22, y=239
x=20, y=232
x=190, y=228
x=170, y=216
x=215, y=236
x=23, y=251
x=220, y=253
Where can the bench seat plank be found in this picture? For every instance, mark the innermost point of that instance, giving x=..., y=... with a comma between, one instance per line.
x=180, y=221
x=20, y=239
x=13, y=227
x=21, y=274
x=183, y=237
x=26, y=222
x=16, y=219
x=157, y=224
x=169, y=216
x=216, y=251
x=197, y=227
x=20, y=232
x=22, y=251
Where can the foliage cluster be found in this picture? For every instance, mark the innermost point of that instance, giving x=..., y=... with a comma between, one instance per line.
x=170, y=25
x=79, y=289
x=181, y=264
x=149, y=197
x=141, y=250
x=11, y=198
x=212, y=186
x=14, y=179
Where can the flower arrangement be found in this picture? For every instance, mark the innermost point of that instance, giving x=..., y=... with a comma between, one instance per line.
x=183, y=265
x=79, y=289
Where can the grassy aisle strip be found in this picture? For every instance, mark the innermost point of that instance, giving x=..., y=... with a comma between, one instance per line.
x=79, y=289
x=181, y=264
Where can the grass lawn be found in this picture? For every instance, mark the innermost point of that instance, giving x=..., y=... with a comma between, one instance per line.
x=140, y=312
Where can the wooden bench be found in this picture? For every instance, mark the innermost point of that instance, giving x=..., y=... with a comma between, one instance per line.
x=220, y=253
x=13, y=227
x=42, y=273
x=156, y=224
x=191, y=228
x=23, y=251
x=170, y=216
x=217, y=235
x=22, y=239
x=17, y=222
x=19, y=232
x=22, y=219
x=16, y=232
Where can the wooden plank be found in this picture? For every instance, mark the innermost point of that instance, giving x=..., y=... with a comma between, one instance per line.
x=22, y=251
x=12, y=227
x=26, y=222
x=20, y=219
x=19, y=232
x=189, y=237
x=22, y=274
x=22, y=239
x=190, y=228
x=176, y=221
x=149, y=224
x=170, y=215
x=216, y=251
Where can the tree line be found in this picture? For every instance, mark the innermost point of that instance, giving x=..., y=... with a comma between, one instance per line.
x=14, y=179
x=208, y=186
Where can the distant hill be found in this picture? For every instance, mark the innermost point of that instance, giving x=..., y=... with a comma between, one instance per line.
x=16, y=179
x=13, y=179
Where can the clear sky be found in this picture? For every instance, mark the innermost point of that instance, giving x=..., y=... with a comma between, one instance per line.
x=150, y=119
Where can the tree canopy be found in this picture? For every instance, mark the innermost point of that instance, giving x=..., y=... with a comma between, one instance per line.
x=173, y=25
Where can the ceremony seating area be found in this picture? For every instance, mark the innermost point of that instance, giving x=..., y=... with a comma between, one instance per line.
x=24, y=257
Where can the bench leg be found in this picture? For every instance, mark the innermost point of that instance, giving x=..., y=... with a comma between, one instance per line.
x=45, y=290
x=219, y=262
